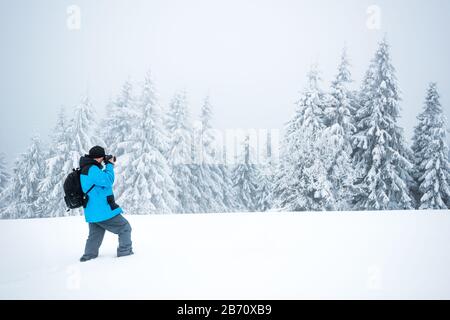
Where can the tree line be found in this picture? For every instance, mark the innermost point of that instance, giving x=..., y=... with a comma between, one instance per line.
x=342, y=150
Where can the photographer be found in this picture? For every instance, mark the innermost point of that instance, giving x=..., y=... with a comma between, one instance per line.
x=101, y=211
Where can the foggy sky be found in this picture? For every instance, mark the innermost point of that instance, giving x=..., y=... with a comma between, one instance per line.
x=251, y=56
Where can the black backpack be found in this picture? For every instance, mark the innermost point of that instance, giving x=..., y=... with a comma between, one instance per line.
x=74, y=195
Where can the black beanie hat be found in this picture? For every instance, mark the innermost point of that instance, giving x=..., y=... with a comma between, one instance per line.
x=96, y=152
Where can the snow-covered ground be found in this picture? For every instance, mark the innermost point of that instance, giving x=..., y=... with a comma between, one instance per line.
x=234, y=256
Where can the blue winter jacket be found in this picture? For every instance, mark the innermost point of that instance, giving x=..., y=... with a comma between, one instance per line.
x=101, y=205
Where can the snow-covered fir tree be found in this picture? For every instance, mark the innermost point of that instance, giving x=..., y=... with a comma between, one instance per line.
x=264, y=189
x=381, y=155
x=83, y=131
x=432, y=168
x=214, y=181
x=338, y=135
x=22, y=194
x=57, y=165
x=4, y=175
x=201, y=169
x=180, y=154
x=229, y=195
x=266, y=175
x=301, y=182
x=4, y=180
x=246, y=178
x=122, y=116
x=148, y=185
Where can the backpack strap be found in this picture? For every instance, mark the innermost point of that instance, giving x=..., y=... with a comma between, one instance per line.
x=92, y=187
x=80, y=169
x=85, y=196
x=85, y=170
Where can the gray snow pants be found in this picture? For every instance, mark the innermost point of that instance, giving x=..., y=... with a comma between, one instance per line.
x=117, y=225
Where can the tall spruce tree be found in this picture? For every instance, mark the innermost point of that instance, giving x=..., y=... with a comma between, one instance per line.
x=230, y=201
x=22, y=194
x=4, y=182
x=432, y=168
x=338, y=135
x=83, y=130
x=214, y=178
x=381, y=155
x=267, y=168
x=301, y=183
x=147, y=183
x=246, y=178
x=57, y=165
x=122, y=116
x=4, y=175
x=180, y=155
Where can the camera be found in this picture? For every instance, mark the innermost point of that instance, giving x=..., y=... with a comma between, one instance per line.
x=109, y=157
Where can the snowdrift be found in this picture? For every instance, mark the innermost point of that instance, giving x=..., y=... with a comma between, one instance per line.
x=234, y=256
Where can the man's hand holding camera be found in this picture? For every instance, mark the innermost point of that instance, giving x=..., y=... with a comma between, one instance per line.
x=110, y=159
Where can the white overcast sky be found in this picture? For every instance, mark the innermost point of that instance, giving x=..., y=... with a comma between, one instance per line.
x=250, y=55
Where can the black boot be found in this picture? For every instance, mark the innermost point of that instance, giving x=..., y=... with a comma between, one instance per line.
x=87, y=258
x=124, y=254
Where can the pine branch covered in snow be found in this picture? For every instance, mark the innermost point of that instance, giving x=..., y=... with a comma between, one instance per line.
x=432, y=168
x=381, y=154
